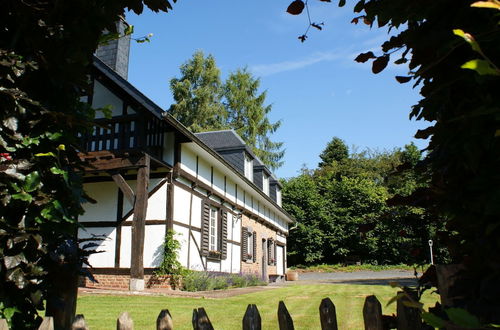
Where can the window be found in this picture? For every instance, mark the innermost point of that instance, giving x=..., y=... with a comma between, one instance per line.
x=265, y=184
x=248, y=167
x=249, y=245
x=278, y=196
x=271, y=252
x=213, y=230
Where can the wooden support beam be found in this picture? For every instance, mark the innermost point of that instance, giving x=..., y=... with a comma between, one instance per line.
x=128, y=193
x=138, y=227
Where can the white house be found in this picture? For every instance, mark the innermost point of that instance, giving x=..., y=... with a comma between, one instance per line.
x=149, y=174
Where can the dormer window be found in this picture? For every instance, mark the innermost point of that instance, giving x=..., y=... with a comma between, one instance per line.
x=248, y=167
x=265, y=184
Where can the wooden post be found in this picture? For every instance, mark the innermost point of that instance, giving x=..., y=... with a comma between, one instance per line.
x=284, y=319
x=408, y=317
x=372, y=314
x=252, y=320
x=79, y=323
x=164, y=320
x=327, y=315
x=201, y=320
x=3, y=324
x=124, y=322
x=47, y=323
x=138, y=227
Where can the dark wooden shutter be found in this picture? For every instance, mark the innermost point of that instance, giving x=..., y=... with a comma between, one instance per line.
x=275, y=247
x=223, y=248
x=270, y=257
x=205, y=228
x=254, y=252
x=244, y=243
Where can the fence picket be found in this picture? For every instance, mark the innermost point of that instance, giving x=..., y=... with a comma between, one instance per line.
x=47, y=323
x=327, y=315
x=409, y=318
x=252, y=320
x=124, y=322
x=284, y=318
x=201, y=320
x=372, y=314
x=79, y=323
x=164, y=320
x=3, y=324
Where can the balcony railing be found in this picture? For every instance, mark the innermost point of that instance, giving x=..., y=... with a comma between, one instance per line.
x=127, y=132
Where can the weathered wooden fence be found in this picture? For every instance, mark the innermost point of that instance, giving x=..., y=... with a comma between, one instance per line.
x=408, y=318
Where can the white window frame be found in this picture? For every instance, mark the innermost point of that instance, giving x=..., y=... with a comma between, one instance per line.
x=248, y=167
x=213, y=229
x=278, y=196
x=265, y=183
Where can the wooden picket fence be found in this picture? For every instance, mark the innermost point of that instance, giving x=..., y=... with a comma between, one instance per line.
x=408, y=318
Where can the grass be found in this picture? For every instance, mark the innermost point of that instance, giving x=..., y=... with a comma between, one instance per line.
x=302, y=302
x=323, y=268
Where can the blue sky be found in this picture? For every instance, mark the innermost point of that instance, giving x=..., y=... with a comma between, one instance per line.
x=315, y=87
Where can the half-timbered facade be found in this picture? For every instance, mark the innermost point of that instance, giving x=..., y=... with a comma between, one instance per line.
x=149, y=174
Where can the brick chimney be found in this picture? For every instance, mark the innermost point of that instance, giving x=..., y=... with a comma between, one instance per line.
x=115, y=53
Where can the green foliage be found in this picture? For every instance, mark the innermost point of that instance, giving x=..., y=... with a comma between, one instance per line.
x=343, y=215
x=46, y=50
x=207, y=281
x=204, y=103
x=170, y=264
x=198, y=95
x=336, y=150
x=248, y=116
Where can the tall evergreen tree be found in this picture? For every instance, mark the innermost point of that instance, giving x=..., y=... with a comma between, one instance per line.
x=336, y=150
x=198, y=95
x=248, y=116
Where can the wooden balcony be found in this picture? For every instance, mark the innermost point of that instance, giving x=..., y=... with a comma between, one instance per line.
x=127, y=133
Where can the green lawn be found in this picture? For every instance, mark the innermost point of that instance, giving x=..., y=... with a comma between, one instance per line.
x=324, y=268
x=302, y=302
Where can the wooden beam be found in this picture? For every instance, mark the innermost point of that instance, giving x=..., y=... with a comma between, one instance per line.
x=138, y=226
x=128, y=193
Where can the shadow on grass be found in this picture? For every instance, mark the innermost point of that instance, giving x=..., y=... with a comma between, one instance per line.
x=403, y=281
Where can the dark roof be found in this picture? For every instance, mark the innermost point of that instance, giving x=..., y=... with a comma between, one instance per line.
x=222, y=140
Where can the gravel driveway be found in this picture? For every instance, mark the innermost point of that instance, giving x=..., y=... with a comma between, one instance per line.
x=361, y=277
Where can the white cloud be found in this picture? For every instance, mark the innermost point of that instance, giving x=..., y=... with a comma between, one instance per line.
x=273, y=68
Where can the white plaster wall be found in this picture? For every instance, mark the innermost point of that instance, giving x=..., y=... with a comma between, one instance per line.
x=125, y=251
x=218, y=183
x=196, y=213
x=107, y=257
x=157, y=204
x=181, y=205
x=188, y=160
x=236, y=264
x=195, y=259
x=204, y=171
x=181, y=234
x=226, y=263
x=236, y=225
x=231, y=191
x=106, y=195
x=155, y=200
x=241, y=193
x=103, y=97
x=153, y=245
x=281, y=239
x=213, y=266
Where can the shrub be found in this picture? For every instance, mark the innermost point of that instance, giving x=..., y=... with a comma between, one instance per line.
x=206, y=281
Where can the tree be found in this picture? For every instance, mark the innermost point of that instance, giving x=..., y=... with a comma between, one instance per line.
x=198, y=94
x=248, y=116
x=46, y=53
x=204, y=103
x=336, y=150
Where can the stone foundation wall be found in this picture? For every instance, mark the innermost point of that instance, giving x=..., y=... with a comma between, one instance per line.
x=263, y=232
x=120, y=281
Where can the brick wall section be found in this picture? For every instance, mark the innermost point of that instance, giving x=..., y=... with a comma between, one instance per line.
x=122, y=282
x=262, y=232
